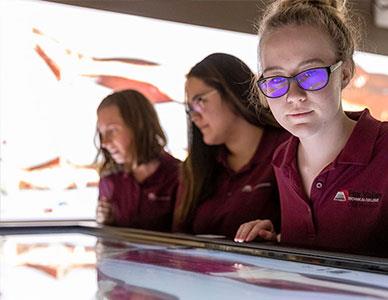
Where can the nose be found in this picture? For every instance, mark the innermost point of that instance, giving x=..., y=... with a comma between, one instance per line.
x=295, y=93
x=105, y=141
x=195, y=116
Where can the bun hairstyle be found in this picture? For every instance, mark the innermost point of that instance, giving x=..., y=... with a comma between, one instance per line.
x=328, y=15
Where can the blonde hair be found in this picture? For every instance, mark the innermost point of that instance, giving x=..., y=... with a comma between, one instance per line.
x=330, y=16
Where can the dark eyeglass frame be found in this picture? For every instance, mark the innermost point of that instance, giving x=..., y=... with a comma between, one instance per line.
x=329, y=69
x=197, y=105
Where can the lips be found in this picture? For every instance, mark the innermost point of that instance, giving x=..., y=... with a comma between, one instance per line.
x=203, y=127
x=117, y=157
x=299, y=114
x=114, y=153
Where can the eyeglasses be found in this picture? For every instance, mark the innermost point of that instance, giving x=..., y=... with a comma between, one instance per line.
x=309, y=80
x=197, y=104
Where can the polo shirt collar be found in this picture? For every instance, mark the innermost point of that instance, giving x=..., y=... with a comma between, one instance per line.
x=359, y=148
x=286, y=157
x=222, y=156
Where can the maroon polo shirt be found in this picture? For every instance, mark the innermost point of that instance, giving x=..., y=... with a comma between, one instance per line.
x=348, y=207
x=147, y=205
x=243, y=196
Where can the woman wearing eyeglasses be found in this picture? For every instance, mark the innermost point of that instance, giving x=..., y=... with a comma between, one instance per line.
x=228, y=178
x=332, y=174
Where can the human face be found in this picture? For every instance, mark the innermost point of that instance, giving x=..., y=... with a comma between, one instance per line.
x=209, y=112
x=290, y=50
x=114, y=133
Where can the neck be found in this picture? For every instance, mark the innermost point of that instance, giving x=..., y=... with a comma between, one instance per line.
x=334, y=137
x=318, y=151
x=242, y=144
x=143, y=171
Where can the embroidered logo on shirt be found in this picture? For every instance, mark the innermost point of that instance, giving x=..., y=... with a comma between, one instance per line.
x=371, y=197
x=357, y=197
x=248, y=188
x=153, y=197
x=341, y=196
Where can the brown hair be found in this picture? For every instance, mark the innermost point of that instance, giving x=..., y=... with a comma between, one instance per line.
x=141, y=118
x=328, y=15
x=232, y=78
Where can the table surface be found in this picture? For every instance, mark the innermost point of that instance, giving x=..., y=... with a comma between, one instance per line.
x=86, y=261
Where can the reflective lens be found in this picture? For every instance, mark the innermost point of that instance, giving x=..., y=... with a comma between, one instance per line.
x=197, y=104
x=274, y=87
x=313, y=79
x=309, y=80
x=194, y=107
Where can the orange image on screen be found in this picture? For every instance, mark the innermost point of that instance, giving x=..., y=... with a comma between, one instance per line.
x=368, y=90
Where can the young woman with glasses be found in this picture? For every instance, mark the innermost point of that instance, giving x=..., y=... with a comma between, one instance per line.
x=228, y=178
x=139, y=179
x=332, y=174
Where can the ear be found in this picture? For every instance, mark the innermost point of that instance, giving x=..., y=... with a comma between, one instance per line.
x=347, y=72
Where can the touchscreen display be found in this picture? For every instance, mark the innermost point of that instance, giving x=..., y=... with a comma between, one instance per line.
x=79, y=266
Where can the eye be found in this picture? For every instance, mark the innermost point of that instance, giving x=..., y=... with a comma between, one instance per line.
x=309, y=73
x=200, y=99
x=277, y=80
x=111, y=131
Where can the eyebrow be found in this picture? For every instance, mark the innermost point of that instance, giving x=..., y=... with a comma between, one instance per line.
x=196, y=96
x=303, y=63
x=109, y=125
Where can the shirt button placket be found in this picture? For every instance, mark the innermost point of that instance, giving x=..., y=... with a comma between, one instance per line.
x=310, y=225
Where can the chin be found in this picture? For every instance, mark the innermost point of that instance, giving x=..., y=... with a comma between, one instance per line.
x=118, y=160
x=209, y=141
x=302, y=131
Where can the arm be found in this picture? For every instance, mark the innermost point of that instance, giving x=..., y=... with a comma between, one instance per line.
x=104, y=213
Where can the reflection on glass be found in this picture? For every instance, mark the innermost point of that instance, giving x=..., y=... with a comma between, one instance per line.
x=78, y=266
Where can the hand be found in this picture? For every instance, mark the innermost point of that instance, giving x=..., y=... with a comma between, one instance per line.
x=104, y=212
x=259, y=228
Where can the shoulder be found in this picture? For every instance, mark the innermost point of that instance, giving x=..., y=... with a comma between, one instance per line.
x=369, y=126
x=169, y=166
x=109, y=176
x=167, y=160
x=384, y=130
x=382, y=138
x=111, y=179
x=368, y=142
x=107, y=184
